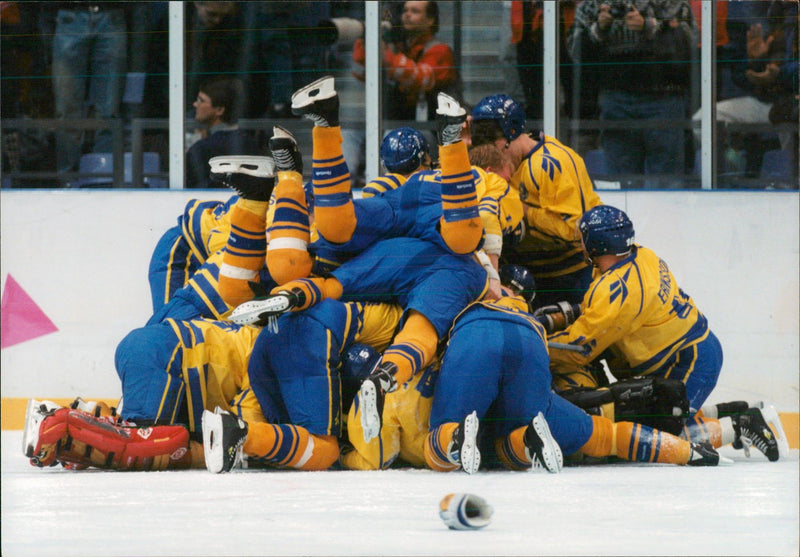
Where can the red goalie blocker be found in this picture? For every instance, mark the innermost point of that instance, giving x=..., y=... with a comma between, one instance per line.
x=80, y=439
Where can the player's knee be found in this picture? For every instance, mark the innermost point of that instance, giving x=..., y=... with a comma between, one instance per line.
x=462, y=236
x=234, y=291
x=288, y=264
x=336, y=224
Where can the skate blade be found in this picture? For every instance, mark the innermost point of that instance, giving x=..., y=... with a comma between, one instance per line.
x=33, y=419
x=260, y=167
x=256, y=311
x=319, y=90
x=553, y=460
x=774, y=422
x=448, y=106
x=370, y=421
x=212, y=437
x=470, y=455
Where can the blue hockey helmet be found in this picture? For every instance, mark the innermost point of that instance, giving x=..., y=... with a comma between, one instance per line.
x=606, y=230
x=504, y=110
x=359, y=360
x=519, y=279
x=403, y=150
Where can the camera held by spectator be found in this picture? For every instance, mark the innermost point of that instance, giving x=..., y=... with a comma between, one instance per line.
x=618, y=10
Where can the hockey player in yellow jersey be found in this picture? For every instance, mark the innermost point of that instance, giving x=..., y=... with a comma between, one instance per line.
x=555, y=190
x=638, y=319
x=505, y=387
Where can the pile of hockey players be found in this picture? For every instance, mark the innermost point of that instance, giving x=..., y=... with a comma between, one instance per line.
x=488, y=313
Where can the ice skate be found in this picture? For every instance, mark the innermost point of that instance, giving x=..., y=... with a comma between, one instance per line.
x=752, y=430
x=773, y=420
x=318, y=102
x=259, y=311
x=250, y=176
x=223, y=437
x=450, y=117
x=542, y=449
x=35, y=414
x=464, y=446
x=371, y=396
x=284, y=150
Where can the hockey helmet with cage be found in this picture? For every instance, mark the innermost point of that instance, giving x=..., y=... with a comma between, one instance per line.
x=504, y=110
x=519, y=279
x=404, y=150
x=606, y=230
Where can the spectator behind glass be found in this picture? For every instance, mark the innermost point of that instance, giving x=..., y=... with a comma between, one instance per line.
x=766, y=74
x=527, y=33
x=243, y=39
x=216, y=108
x=416, y=66
x=643, y=49
x=89, y=58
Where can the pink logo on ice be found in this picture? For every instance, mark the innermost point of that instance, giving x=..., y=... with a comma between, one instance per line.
x=20, y=318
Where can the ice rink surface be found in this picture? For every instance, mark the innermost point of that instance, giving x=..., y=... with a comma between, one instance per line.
x=749, y=508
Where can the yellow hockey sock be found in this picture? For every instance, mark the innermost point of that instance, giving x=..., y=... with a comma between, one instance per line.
x=436, y=445
x=511, y=450
x=645, y=444
x=287, y=251
x=291, y=446
x=461, y=226
x=700, y=429
x=245, y=251
x=413, y=347
x=334, y=213
x=602, y=442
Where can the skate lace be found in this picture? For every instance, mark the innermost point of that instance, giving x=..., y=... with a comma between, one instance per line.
x=283, y=159
x=755, y=438
x=450, y=133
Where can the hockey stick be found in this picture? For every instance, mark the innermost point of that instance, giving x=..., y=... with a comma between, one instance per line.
x=568, y=347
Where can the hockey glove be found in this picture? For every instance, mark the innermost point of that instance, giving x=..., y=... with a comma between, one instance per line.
x=557, y=317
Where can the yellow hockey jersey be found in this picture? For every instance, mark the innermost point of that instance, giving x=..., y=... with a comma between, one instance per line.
x=555, y=190
x=499, y=207
x=637, y=310
x=387, y=182
x=213, y=356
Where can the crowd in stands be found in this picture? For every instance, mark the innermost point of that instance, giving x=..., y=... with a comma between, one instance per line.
x=628, y=68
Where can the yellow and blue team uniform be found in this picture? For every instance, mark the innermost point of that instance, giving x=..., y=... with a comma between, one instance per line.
x=209, y=229
x=202, y=230
x=388, y=182
x=636, y=316
x=404, y=429
x=173, y=370
x=335, y=214
x=507, y=382
x=430, y=282
x=295, y=375
x=555, y=190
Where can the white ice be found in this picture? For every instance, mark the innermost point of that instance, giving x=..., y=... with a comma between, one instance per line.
x=749, y=508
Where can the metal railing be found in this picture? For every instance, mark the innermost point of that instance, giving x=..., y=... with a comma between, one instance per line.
x=138, y=127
